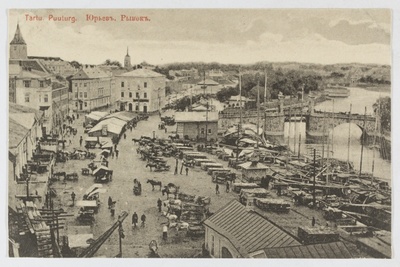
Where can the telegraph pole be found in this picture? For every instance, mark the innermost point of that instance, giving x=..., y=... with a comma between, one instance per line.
x=362, y=141
x=240, y=114
x=314, y=181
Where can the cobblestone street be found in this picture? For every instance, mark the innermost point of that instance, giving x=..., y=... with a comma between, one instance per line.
x=126, y=168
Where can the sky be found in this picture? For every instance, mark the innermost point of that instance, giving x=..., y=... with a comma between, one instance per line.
x=239, y=36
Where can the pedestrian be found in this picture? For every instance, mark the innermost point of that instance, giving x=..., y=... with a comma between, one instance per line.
x=181, y=168
x=227, y=186
x=109, y=202
x=176, y=170
x=116, y=154
x=130, y=127
x=313, y=221
x=70, y=141
x=217, y=189
x=80, y=141
x=187, y=171
x=165, y=129
x=112, y=208
x=77, y=116
x=112, y=154
x=134, y=219
x=143, y=219
x=159, y=205
x=165, y=232
x=124, y=135
x=73, y=198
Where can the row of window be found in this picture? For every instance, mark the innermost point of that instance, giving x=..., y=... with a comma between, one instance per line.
x=137, y=94
x=27, y=84
x=144, y=85
x=45, y=98
x=81, y=94
x=202, y=131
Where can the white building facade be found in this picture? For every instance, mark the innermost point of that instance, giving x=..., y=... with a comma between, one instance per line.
x=141, y=90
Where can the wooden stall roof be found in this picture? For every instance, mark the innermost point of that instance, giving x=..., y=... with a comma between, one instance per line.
x=247, y=230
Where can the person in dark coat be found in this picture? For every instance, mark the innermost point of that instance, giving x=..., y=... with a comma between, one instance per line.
x=187, y=171
x=112, y=208
x=313, y=221
x=80, y=141
x=227, y=186
x=135, y=219
x=116, y=154
x=217, y=189
x=110, y=201
x=159, y=205
x=143, y=219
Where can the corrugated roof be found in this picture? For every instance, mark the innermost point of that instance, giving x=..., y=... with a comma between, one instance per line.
x=247, y=230
x=96, y=115
x=142, y=73
x=196, y=116
x=335, y=250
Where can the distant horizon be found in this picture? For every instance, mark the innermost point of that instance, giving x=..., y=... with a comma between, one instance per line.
x=212, y=62
x=226, y=36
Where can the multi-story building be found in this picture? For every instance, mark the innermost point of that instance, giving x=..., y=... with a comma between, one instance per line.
x=56, y=65
x=92, y=88
x=31, y=85
x=141, y=90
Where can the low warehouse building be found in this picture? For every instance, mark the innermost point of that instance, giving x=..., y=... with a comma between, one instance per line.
x=197, y=125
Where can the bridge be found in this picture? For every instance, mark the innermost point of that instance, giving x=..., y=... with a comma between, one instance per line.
x=315, y=121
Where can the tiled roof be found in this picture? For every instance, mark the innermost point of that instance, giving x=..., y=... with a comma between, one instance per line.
x=15, y=108
x=335, y=250
x=56, y=85
x=247, y=230
x=141, y=73
x=90, y=72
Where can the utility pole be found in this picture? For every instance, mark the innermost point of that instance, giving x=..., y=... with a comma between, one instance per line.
x=265, y=100
x=258, y=110
x=314, y=181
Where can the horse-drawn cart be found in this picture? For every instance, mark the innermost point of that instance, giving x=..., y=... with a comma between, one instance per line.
x=71, y=177
x=268, y=204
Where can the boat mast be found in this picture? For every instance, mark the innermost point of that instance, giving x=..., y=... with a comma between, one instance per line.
x=375, y=134
x=362, y=141
x=349, y=141
x=333, y=121
x=258, y=110
x=265, y=101
x=240, y=116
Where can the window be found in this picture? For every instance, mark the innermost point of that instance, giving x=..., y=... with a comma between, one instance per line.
x=46, y=98
x=122, y=94
x=84, y=84
x=76, y=95
x=27, y=83
x=137, y=107
x=80, y=94
x=209, y=131
x=40, y=97
x=145, y=95
x=122, y=84
x=76, y=85
x=85, y=104
x=85, y=94
x=76, y=104
x=26, y=98
x=212, y=245
x=41, y=84
x=145, y=85
x=202, y=130
x=130, y=94
x=137, y=95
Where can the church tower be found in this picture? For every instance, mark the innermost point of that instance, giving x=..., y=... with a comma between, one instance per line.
x=18, y=47
x=127, y=61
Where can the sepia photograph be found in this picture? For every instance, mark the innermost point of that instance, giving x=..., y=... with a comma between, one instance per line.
x=199, y=133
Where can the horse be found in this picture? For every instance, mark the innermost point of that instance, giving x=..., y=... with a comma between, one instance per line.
x=151, y=165
x=170, y=189
x=154, y=182
x=179, y=225
x=171, y=217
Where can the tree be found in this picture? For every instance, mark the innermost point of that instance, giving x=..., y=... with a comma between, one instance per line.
x=383, y=107
x=76, y=64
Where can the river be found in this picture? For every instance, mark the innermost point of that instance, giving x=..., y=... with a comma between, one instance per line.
x=359, y=98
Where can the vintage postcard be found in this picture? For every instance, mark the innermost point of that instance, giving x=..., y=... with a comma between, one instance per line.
x=200, y=133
